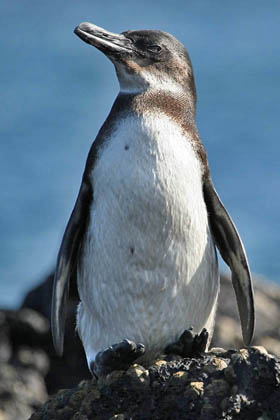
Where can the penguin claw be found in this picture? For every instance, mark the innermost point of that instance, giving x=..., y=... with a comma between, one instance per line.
x=189, y=343
x=200, y=341
x=117, y=357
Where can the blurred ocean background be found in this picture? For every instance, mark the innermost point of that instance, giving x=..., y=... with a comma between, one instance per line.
x=55, y=92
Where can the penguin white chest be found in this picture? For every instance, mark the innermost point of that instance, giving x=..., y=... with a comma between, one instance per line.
x=148, y=267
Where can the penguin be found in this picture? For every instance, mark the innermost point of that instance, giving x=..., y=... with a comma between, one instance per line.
x=144, y=230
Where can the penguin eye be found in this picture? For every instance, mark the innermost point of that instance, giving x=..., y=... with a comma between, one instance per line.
x=154, y=48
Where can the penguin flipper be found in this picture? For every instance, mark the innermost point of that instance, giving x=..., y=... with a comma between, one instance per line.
x=66, y=263
x=232, y=251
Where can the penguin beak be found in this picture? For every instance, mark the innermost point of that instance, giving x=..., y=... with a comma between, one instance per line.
x=109, y=43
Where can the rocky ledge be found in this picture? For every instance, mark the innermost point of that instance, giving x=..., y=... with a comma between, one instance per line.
x=30, y=371
x=221, y=384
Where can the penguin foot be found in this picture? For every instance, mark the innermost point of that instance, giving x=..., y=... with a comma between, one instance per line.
x=189, y=344
x=117, y=357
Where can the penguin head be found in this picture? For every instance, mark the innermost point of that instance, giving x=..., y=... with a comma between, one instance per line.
x=144, y=59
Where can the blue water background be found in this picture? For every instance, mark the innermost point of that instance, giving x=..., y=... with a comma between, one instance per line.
x=55, y=91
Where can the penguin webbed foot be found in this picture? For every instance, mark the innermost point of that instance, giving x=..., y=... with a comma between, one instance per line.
x=189, y=344
x=119, y=356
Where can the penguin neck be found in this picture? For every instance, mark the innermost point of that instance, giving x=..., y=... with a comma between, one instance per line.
x=179, y=107
x=178, y=104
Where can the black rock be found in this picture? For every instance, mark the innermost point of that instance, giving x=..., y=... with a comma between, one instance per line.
x=220, y=385
x=23, y=363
